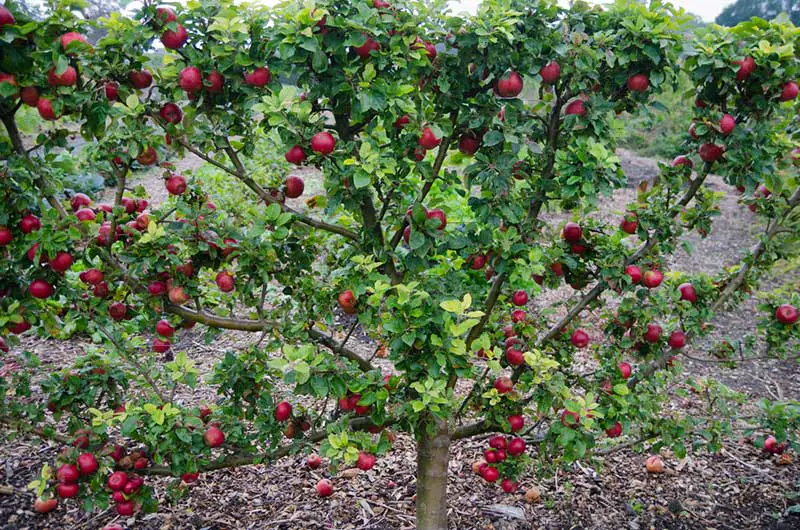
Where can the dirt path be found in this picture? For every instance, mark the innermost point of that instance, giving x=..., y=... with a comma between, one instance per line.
x=738, y=489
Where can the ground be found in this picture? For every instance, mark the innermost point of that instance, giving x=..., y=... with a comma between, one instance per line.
x=740, y=488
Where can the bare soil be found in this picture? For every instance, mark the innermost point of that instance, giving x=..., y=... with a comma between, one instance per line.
x=740, y=488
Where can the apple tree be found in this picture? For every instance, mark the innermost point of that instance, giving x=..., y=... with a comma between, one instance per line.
x=465, y=162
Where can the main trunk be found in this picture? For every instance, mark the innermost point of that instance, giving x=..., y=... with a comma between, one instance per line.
x=433, y=455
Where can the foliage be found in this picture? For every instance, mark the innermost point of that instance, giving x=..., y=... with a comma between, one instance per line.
x=426, y=250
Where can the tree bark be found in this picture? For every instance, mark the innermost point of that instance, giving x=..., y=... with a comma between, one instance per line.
x=433, y=456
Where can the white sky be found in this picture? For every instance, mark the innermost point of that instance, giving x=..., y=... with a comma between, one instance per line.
x=705, y=9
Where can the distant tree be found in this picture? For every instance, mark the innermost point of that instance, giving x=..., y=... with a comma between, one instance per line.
x=767, y=9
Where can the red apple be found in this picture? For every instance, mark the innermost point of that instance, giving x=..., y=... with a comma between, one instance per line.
x=436, y=213
x=570, y=419
x=313, y=461
x=653, y=333
x=515, y=357
x=638, y=83
x=283, y=411
x=157, y=288
x=402, y=121
x=293, y=187
x=519, y=298
x=367, y=48
x=6, y=18
x=687, y=292
x=634, y=273
x=629, y=223
x=652, y=278
x=67, y=474
x=550, y=72
x=66, y=491
x=164, y=328
x=62, y=262
x=516, y=422
x=365, y=461
x=87, y=464
x=324, y=488
x=789, y=91
x=45, y=108
x=786, y=314
x=509, y=86
x=171, y=113
x=727, y=124
x=323, y=143
x=503, y=384
x=174, y=39
x=111, y=90
x=347, y=301
x=518, y=316
x=148, y=157
x=40, y=289
x=30, y=96
x=490, y=474
x=468, y=144
x=576, y=107
x=126, y=508
x=214, y=437
x=190, y=79
x=117, y=310
x=746, y=67
x=677, y=340
x=516, y=447
x=295, y=155
x=86, y=215
x=79, y=200
x=710, y=152
x=160, y=346
x=571, y=232
x=428, y=139
x=615, y=430
x=682, y=161
x=39, y=505
x=259, y=77
x=214, y=83
x=580, y=339
x=625, y=370
x=140, y=79
x=176, y=184
x=70, y=37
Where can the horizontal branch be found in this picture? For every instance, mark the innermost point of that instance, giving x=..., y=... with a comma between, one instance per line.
x=235, y=324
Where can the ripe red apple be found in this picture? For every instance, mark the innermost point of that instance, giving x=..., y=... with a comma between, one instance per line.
x=509, y=86
x=111, y=90
x=490, y=455
x=190, y=79
x=165, y=15
x=30, y=96
x=225, y=281
x=313, y=461
x=6, y=237
x=87, y=464
x=550, y=72
x=503, y=384
x=40, y=289
x=164, y=328
x=39, y=505
x=86, y=215
x=157, y=288
x=20, y=327
x=214, y=83
x=576, y=107
x=653, y=333
x=174, y=39
x=509, y=486
x=519, y=298
x=687, y=292
x=283, y=411
x=293, y=187
x=514, y=357
x=29, y=223
x=692, y=131
x=771, y=445
x=727, y=124
x=126, y=508
x=79, y=200
x=101, y=290
x=468, y=144
x=188, y=478
x=6, y=18
x=677, y=340
x=638, y=83
x=572, y=232
x=160, y=346
x=324, y=488
x=629, y=223
x=323, y=143
x=634, y=273
x=652, y=278
x=171, y=113
x=295, y=155
x=428, y=139
x=516, y=447
x=140, y=79
x=615, y=430
x=746, y=67
x=580, y=339
x=175, y=184
x=402, y=121
x=70, y=37
x=789, y=91
x=518, y=316
x=625, y=370
x=490, y=474
x=710, y=152
x=67, y=474
x=368, y=47
x=786, y=314
x=436, y=213
x=148, y=157
x=516, y=422
x=477, y=262
x=497, y=442
x=92, y=276
x=365, y=461
x=380, y=4
x=682, y=161
x=62, y=262
x=66, y=491
x=347, y=301
x=117, y=310
x=259, y=77
x=45, y=108
x=214, y=437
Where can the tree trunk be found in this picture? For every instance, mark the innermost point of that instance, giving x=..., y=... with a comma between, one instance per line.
x=433, y=456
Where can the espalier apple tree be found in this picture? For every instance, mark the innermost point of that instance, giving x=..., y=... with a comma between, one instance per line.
x=442, y=142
